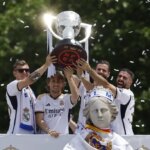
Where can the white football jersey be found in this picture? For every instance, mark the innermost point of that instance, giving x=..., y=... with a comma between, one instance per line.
x=15, y=98
x=55, y=111
x=125, y=102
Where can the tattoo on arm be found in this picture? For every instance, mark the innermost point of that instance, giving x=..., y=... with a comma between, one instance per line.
x=34, y=76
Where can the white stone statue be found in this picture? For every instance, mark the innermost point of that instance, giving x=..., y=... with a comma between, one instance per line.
x=97, y=134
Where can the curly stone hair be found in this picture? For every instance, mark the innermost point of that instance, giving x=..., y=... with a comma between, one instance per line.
x=111, y=105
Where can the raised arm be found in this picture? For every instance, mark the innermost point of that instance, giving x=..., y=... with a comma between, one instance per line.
x=34, y=76
x=97, y=78
x=68, y=71
x=87, y=84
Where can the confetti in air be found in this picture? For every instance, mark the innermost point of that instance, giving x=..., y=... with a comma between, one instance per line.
x=36, y=54
x=113, y=53
x=98, y=40
x=2, y=84
x=130, y=32
x=137, y=125
x=101, y=35
x=10, y=59
x=120, y=39
x=103, y=26
x=4, y=3
x=109, y=21
x=26, y=27
x=144, y=52
x=92, y=37
x=92, y=44
x=137, y=83
x=100, y=14
x=94, y=25
x=143, y=125
x=94, y=60
x=20, y=20
x=116, y=70
x=132, y=62
x=109, y=49
x=111, y=79
x=148, y=1
x=142, y=101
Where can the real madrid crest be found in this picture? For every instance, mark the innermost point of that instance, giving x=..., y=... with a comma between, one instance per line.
x=26, y=114
x=61, y=103
x=98, y=142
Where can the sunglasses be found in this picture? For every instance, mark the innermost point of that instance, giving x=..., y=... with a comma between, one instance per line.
x=23, y=70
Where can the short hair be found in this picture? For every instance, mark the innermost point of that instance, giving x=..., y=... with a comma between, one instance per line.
x=19, y=63
x=104, y=62
x=128, y=71
x=59, y=74
x=112, y=107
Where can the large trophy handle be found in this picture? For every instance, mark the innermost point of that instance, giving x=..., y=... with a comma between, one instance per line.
x=87, y=31
x=86, y=26
x=49, y=25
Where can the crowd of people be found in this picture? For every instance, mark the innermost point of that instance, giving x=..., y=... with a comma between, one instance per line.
x=104, y=107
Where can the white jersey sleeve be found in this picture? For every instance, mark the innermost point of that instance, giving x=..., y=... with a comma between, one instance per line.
x=125, y=102
x=124, y=95
x=39, y=106
x=12, y=88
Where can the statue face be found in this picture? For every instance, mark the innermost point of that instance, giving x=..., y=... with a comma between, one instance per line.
x=100, y=114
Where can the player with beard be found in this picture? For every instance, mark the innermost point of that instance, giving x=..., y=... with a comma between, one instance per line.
x=125, y=102
x=124, y=97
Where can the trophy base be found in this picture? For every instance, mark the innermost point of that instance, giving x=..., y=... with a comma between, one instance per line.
x=68, y=52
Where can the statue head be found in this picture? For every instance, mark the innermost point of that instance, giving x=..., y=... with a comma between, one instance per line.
x=100, y=112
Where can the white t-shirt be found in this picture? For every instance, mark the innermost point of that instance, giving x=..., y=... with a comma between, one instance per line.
x=15, y=100
x=125, y=102
x=55, y=111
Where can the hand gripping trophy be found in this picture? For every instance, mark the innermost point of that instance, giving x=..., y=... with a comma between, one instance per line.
x=67, y=50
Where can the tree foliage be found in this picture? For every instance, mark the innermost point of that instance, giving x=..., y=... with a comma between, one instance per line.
x=120, y=34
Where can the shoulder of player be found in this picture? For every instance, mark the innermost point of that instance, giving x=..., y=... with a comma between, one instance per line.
x=41, y=96
x=12, y=83
x=125, y=91
x=129, y=92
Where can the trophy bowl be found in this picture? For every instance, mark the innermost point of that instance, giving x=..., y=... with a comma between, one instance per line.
x=68, y=52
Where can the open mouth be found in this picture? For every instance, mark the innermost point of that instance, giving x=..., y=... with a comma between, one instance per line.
x=120, y=82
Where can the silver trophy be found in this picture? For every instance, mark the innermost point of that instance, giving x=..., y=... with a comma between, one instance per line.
x=67, y=27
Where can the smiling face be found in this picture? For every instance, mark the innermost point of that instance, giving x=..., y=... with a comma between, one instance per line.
x=124, y=80
x=56, y=84
x=103, y=70
x=100, y=114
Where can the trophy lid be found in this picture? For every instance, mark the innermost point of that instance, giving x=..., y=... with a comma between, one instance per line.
x=70, y=20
